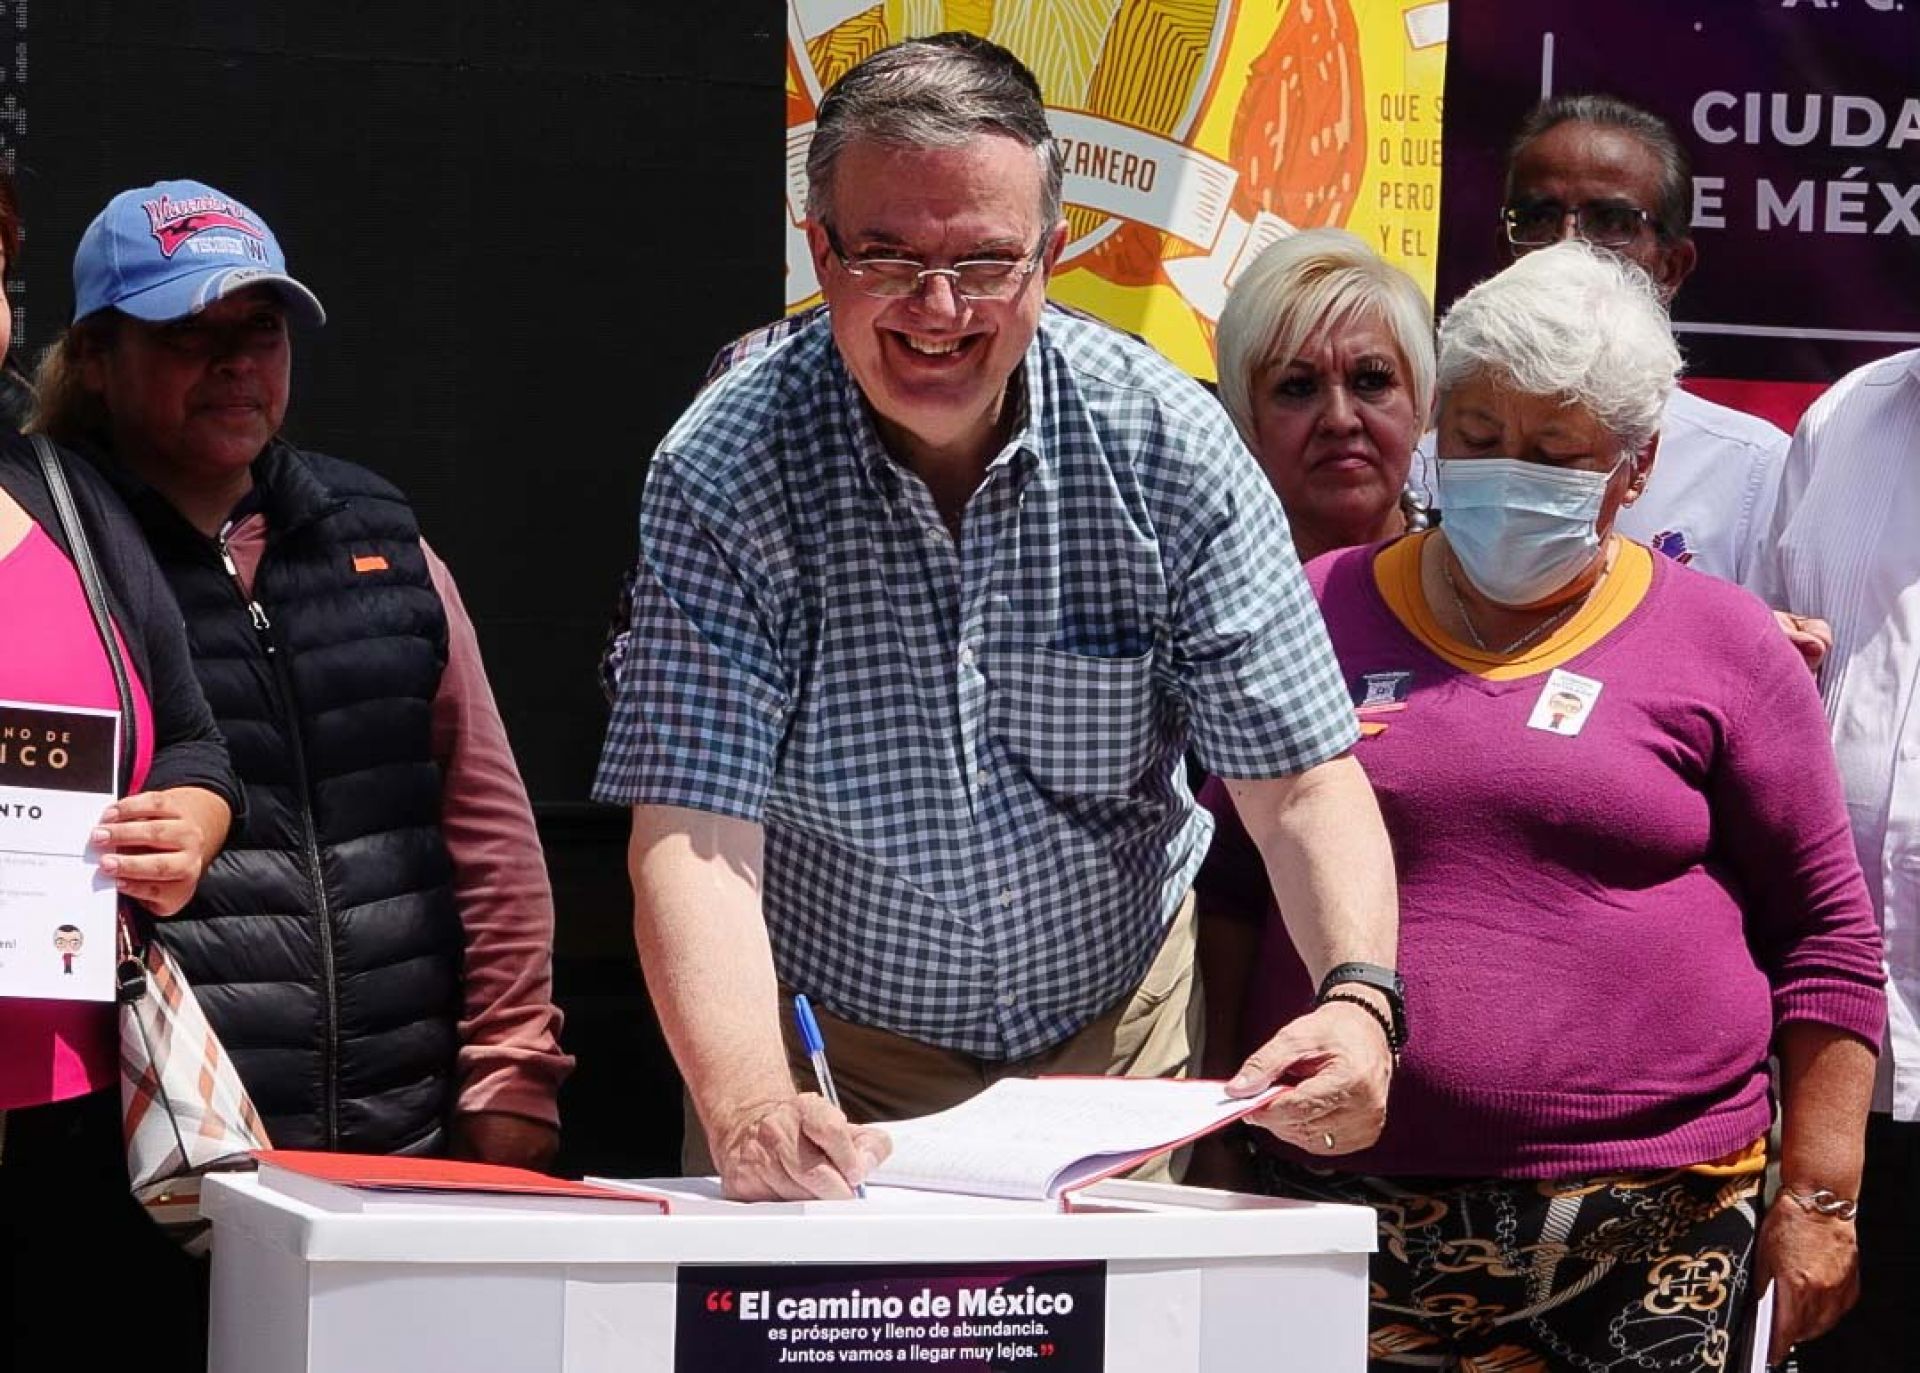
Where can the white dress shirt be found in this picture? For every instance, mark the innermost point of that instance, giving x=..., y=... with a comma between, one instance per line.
x=1710, y=498
x=1846, y=547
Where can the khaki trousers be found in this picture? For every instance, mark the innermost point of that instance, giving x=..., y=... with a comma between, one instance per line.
x=1153, y=1032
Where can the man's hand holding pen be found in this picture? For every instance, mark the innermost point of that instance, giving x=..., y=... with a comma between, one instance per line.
x=816, y=1047
x=797, y=1149
x=800, y=1145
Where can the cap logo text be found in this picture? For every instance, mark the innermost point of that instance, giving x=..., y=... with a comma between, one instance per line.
x=173, y=222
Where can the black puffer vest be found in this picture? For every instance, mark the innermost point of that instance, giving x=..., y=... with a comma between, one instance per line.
x=324, y=942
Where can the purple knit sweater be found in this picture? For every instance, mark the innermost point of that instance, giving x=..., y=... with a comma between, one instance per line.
x=1599, y=933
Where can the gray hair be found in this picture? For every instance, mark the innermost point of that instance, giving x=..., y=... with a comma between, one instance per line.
x=1303, y=286
x=1573, y=322
x=938, y=92
x=1674, y=212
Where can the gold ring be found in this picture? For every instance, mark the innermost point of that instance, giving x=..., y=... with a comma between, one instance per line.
x=1327, y=1135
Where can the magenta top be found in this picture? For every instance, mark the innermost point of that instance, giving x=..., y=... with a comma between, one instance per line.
x=1600, y=932
x=50, y=653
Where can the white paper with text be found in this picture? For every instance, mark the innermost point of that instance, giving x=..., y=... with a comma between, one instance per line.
x=1041, y=1137
x=57, y=909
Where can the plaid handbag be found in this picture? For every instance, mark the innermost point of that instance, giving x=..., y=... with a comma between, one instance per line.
x=183, y=1109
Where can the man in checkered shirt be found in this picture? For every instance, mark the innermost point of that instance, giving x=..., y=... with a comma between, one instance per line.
x=933, y=595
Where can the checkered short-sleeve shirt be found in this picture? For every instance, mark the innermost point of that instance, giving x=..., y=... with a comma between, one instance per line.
x=967, y=755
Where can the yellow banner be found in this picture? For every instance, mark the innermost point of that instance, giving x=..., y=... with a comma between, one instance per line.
x=1196, y=132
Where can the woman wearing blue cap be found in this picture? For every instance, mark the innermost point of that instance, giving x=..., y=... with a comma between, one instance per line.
x=374, y=946
x=64, y=1205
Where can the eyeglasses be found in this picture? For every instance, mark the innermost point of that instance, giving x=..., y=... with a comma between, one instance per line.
x=983, y=278
x=1603, y=223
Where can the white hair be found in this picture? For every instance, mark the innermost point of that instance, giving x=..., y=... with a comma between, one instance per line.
x=1304, y=286
x=1575, y=323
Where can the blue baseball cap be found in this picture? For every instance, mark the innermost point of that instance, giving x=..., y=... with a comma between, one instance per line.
x=169, y=250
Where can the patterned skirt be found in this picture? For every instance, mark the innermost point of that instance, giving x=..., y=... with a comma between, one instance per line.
x=1602, y=1274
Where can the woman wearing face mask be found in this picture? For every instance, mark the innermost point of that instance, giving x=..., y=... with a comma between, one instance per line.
x=1625, y=874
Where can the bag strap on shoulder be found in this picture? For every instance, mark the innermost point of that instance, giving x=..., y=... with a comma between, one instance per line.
x=80, y=548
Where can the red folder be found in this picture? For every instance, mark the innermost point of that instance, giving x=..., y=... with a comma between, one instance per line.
x=398, y=1173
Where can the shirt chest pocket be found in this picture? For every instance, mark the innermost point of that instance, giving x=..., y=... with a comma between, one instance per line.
x=1078, y=724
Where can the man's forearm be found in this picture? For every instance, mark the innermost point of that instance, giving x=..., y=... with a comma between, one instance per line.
x=1328, y=858
x=1331, y=868
x=709, y=968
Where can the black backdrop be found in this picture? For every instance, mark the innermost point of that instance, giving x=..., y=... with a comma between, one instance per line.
x=531, y=225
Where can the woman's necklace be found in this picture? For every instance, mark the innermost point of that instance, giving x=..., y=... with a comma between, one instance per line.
x=1551, y=622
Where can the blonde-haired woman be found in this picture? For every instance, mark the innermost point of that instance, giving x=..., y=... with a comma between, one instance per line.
x=1326, y=365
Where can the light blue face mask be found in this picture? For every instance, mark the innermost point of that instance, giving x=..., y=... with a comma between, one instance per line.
x=1522, y=530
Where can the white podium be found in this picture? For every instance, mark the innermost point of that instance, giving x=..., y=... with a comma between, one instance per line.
x=1136, y=1279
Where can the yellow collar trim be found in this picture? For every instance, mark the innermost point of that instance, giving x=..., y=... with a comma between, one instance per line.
x=1396, y=572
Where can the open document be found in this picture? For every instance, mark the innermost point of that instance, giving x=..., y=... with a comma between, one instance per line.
x=1040, y=1138
x=57, y=910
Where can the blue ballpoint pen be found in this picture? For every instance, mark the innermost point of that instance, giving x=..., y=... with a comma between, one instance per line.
x=816, y=1048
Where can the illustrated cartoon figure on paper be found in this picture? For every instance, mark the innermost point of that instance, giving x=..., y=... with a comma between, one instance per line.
x=1195, y=132
x=67, y=942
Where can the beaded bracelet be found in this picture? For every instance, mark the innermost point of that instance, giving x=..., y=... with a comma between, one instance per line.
x=1379, y=1016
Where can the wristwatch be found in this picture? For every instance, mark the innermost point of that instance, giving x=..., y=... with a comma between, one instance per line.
x=1383, y=980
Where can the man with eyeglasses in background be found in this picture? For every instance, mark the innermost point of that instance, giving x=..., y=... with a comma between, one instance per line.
x=1598, y=168
x=933, y=595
